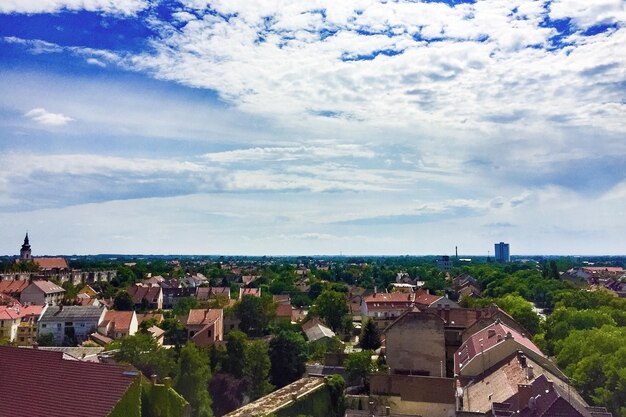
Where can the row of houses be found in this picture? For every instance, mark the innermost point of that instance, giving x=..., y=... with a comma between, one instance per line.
x=470, y=362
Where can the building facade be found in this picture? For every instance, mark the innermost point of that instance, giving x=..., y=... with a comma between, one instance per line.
x=502, y=253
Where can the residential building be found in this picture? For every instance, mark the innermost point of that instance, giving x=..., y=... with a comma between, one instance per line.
x=70, y=324
x=27, y=329
x=494, y=343
x=255, y=292
x=501, y=252
x=415, y=344
x=445, y=264
x=146, y=297
x=13, y=287
x=204, y=326
x=384, y=308
x=171, y=294
x=117, y=324
x=42, y=292
x=210, y=293
x=315, y=330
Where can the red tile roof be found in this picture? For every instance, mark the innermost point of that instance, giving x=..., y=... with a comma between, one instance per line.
x=256, y=292
x=138, y=293
x=51, y=263
x=198, y=316
x=283, y=310
x=48, y=287
x=13, y=286
x=18, y=311
x=486, y=338
x=119, y=319
x=424, y=298
x=205, y=293
x=39, y=383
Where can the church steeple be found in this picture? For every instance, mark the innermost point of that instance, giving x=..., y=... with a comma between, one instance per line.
x=25, y=251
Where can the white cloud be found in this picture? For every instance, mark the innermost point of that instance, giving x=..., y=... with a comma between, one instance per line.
x=44, y=117
x=122, y=7
x=589, y=13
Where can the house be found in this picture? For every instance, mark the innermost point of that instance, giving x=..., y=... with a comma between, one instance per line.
x=171, y=294
x=88, y=291
x=281, y=298
x=41, y=383
x=284, y=312
x=384, y=308
x=493, y=344
x=146, y=297
x=255, y=292
x=519, y=386
x=204, y=326
x=13, y=287
x=16, y=323
x=27, y=329
x=70, y=324
x=315, y=330
x=158, y=334
x=415, y=344
x=194, y=281
x=42, y=292
x=117, y=324
x=210, y=293
x=424, y=299
x=157, y=317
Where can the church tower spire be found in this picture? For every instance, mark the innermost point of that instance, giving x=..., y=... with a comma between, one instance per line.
x=25, y=251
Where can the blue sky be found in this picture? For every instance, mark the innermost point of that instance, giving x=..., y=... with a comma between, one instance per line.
x=313, y=127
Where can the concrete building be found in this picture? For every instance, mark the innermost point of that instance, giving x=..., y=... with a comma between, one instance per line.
x=70, y=323
x=415, y=345
x=14, y=321
x=501, y=252
x=42, y=292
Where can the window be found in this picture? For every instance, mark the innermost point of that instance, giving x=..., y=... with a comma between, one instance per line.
x=209, y=333
x=82, y=325
x=21, y=339
x=43, y=326
x=58, y=325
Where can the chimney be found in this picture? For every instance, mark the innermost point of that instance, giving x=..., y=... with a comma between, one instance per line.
x=524, y=394
x=491, y=333
x=375, y=289
x=530, y=374
x=167, y=381
x=153, y=379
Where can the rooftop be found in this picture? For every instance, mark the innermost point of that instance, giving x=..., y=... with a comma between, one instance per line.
x=59, y=313
x=51, y=263
x=41, y=383
x=48, y=287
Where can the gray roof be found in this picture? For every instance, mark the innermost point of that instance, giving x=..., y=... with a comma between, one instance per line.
x=70, y=313
x=317, y=332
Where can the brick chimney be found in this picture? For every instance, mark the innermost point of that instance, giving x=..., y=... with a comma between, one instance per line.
x=524, y=394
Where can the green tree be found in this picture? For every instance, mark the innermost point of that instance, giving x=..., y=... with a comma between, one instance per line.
x=336, y=385
x=235, y=359
x=46, y=339
x=142, y=351
x=287, y=356
x=332, y=306
x=358, y=366
x=183, y=305
x=257, y=368
x=370, y=336
x=123, y=301
x=521, y=310
x=193, y=379
x=253, y=315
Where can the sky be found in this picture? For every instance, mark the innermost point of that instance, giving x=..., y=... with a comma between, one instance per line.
x=301, y=127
